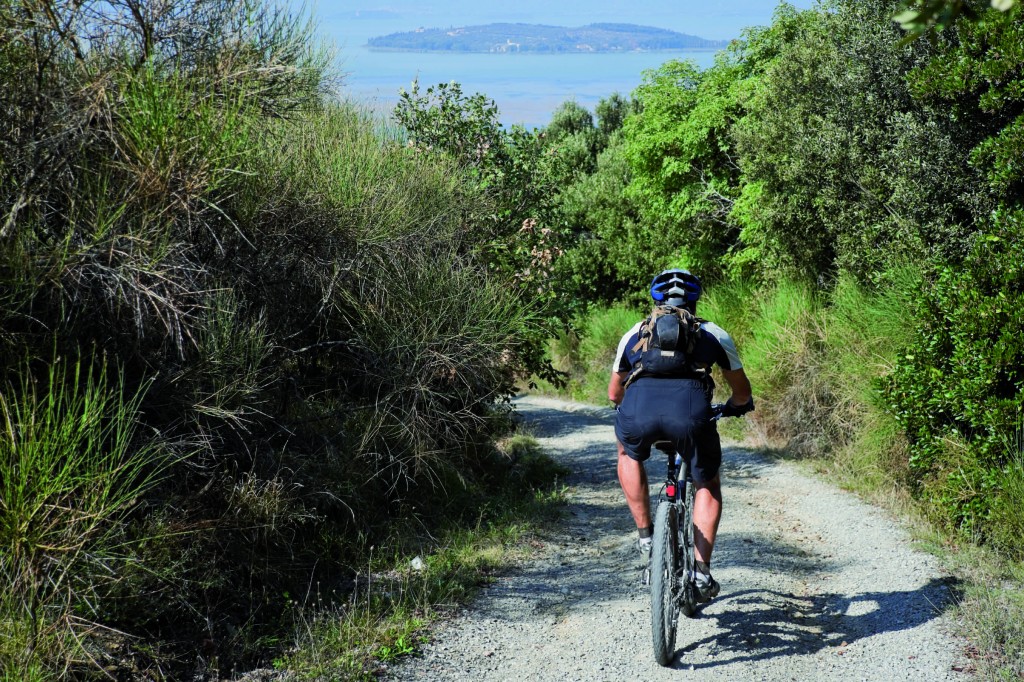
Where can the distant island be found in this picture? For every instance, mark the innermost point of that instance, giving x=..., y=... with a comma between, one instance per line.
x=535, y=38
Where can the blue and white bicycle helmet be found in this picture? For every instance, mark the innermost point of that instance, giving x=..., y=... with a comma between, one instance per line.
x=676, y=287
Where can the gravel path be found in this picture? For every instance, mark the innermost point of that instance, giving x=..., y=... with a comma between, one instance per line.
x=816, y=585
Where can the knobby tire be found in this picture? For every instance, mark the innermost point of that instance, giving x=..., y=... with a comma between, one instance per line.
x=664, y=609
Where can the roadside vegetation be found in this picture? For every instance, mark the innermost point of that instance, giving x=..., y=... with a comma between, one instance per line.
x=851, y=198
x=255, y=352
x=257, y=347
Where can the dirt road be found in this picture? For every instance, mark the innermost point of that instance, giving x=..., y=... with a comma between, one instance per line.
x=815, y=585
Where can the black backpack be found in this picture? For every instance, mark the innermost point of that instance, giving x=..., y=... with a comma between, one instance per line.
x=667, y=338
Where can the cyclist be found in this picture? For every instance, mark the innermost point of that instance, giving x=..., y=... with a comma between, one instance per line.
x=677, y=408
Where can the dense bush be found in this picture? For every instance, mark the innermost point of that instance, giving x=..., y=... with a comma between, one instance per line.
x=322, y=317
x=603, y=263
x=957, y=389
x=510, y=223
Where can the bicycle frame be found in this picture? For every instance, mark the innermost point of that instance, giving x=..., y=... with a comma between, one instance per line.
x=680, y=491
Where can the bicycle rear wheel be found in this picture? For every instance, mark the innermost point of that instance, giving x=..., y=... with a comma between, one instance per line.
x=687, y=560
x=664, y=553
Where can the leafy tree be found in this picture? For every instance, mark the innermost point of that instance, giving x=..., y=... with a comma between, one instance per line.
x=981, y=79
x=512, y=225
x=572, y=142
x=920, y=17
x=664, y=180
x=611, y=113
x=589, y=167
x=613, y=252
x=506, y=167
x=570, y=118
x=686, y=174
x=844, y=168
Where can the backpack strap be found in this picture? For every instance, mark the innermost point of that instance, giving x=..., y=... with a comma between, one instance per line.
x=644, y=333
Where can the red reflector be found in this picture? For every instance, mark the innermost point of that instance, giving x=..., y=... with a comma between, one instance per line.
x=670, y=490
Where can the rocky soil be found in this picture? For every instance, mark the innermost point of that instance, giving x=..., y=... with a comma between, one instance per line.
x=816, y=585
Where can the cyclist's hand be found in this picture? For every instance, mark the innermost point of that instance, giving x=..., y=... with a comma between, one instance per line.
x=727, y=409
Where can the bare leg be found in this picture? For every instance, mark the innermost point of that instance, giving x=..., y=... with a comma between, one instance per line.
x=633, y=479
x=707, y=512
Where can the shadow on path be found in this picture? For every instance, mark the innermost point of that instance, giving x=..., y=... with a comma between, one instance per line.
x=758, y=625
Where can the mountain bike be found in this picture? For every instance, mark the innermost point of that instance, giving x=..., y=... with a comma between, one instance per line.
x=673, y=589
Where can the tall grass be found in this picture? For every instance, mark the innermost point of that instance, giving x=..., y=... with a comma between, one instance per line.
x=73, y=467
x=435, y=340
x=815, y=358
x=350, y=177
x=1006, y=520
x=586, y=351
x=779, y=339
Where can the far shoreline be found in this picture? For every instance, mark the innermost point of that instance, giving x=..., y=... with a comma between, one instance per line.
x=549, y=53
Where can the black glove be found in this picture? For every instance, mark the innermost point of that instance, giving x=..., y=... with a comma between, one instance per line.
x=730, y=410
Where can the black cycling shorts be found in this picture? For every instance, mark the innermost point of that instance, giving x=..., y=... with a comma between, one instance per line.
x=678, y=410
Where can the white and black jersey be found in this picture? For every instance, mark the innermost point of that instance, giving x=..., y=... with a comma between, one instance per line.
x=715, y=347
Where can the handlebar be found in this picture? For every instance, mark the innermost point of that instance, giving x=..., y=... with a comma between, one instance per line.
x=727, y=409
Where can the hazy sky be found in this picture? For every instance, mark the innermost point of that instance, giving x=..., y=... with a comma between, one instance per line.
x=527, y=88
x=346, y=21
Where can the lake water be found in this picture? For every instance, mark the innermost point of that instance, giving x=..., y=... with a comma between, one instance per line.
x=526, y=87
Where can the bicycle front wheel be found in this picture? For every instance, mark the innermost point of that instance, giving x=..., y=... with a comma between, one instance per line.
x=664, y=612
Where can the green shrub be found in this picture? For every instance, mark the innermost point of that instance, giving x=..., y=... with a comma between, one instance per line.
x=604, y=264
x=957, y=388
x=510, y=220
